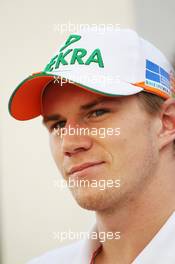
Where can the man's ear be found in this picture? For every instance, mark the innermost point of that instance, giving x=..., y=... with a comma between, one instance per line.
x=167, y=133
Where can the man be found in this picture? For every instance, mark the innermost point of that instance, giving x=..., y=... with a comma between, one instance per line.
x=122, y=84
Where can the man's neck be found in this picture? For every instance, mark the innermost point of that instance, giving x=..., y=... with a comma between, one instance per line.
x=138, y=221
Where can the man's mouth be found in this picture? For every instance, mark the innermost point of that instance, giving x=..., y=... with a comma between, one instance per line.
x=83, y=166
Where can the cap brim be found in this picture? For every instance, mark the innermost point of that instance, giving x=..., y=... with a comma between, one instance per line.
x=25, y=101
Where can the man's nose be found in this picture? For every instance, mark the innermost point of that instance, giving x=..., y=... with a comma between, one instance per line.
x=75, y=140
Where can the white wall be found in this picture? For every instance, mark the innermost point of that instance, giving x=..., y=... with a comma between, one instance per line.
x=32, y=208
x=155, y=20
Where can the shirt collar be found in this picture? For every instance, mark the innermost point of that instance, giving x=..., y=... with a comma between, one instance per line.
x=161, y=249
x=89, y=246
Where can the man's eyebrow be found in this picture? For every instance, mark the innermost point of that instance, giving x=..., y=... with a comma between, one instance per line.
x=56, y=117
x=98, y=101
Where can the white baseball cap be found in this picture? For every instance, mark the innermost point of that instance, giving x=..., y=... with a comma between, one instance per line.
x=112, y=63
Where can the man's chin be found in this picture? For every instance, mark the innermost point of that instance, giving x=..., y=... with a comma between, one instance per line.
x=94, y=200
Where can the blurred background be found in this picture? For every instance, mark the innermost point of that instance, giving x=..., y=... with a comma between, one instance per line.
x=32, y=209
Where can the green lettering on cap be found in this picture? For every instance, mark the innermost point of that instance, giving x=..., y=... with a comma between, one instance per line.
x=50, y=64
x=95, y=57
x=71, y=39
x=78, y=54
x=61, y=58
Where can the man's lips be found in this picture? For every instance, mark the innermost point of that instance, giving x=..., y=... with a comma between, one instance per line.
x=83, y=166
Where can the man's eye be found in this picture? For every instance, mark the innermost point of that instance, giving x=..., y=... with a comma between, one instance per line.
x=98, y=112
x=58, y=125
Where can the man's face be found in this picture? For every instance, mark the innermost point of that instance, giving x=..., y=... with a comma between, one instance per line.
x=130, y=157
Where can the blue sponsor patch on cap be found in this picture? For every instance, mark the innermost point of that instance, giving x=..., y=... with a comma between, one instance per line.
x=157, y=77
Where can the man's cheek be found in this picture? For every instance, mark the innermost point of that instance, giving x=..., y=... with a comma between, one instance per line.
x=59, y=164
x=120, y=150
x=55, y=150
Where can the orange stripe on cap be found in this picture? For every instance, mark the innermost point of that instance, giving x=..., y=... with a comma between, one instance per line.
x=152, y=90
